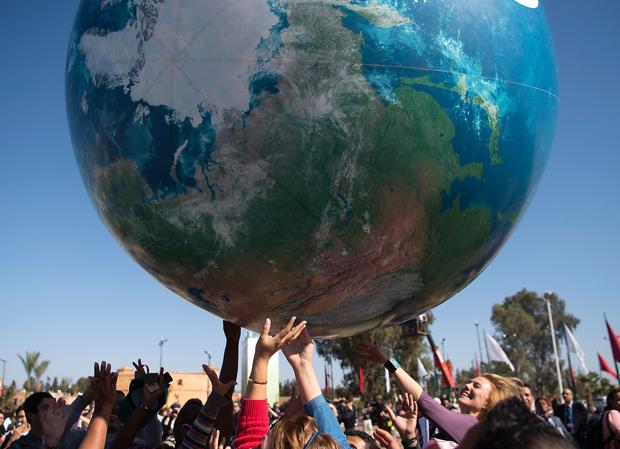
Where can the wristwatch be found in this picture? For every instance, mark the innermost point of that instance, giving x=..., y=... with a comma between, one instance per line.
x=144, y=407
x=410, y=443
x=392, y=365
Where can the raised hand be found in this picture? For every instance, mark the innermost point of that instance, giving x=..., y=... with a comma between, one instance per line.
x=103, y=387
x=268, y=345
x=300, y=351
x=231, y=331
x=53, y=422
x=371, y=353
x=153, y=389
x=386, y=439
x=219, y=387
x=407, y=418
x=141, y=369
x=215, y=442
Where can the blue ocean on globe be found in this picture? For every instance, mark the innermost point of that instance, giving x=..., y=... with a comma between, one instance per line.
x=350, y=162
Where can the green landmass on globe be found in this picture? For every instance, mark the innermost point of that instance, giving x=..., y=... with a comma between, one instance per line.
x=354, y=163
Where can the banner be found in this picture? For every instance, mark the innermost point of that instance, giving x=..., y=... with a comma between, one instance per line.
x=603, y=366
x=613, y=341
x=495, y=352
x=421, y=370
x=575, y=348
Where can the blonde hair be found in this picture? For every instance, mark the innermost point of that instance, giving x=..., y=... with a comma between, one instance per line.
x=293, y=433
x=503, y=388
x=323, y=441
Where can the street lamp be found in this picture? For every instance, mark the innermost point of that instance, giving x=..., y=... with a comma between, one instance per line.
x=443, y=351
x=478, y=335
x=3, y=373
x=547, y=298
x=161, y=351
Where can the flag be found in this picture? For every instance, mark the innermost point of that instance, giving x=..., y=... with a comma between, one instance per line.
x=361, y=373
x=495, y=351
x=421, y=370
x=441, y=364
x=575, y=348
x=478, y=373
x=388, y=387
x=603, y=366
x=613, y=341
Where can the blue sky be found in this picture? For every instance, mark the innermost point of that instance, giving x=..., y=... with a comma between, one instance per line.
x=69, y=290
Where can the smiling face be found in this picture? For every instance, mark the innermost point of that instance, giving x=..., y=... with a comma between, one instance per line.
x=474, y=396
x=527, y=397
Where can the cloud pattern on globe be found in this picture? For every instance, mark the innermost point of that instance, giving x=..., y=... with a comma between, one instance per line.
x=353, y=163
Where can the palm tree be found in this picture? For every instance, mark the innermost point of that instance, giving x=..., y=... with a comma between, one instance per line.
x=34, y=369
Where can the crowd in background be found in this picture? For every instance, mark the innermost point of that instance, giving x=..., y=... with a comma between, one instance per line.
x=490, y=411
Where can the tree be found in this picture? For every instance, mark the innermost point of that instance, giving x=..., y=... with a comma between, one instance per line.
x=522, y=329
x=405, y=345
x=594, y=386
x=34, y=369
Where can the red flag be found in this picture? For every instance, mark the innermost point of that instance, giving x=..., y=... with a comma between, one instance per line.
x=443, y=366
x=478, y=368
x=361, y=380
x=603, y=366
x=613, y=341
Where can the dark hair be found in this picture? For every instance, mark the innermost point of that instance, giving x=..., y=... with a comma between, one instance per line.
x=368, y=439
x=511, y=424
x=31, y=404
x=610, y=397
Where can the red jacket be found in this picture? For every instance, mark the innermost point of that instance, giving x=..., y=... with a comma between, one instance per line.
x=253, y=423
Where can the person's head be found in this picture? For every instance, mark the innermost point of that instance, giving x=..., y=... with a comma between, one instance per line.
x=445, y=401
x=184, y=420
x=290, y=433
x=567, y=394
x=236, y=407
x=19, y=415
x=527, y=396
x=613, y=399
x=484, y=392
x=34, y=405
x=276, y=406
x=510, y=424
x=543, y=406
x=360, y=440
x=321, y=441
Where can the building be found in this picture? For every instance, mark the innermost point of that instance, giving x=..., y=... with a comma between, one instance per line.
x=185, y=385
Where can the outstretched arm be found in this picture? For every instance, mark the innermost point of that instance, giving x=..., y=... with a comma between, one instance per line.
x=405, y=381
x=300, y=354
x=103, y=386
x=253, y=418
x=134, y=423
x=224, y=421
x=198, y=436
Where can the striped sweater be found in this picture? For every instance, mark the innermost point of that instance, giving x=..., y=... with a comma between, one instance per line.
x=198, y=436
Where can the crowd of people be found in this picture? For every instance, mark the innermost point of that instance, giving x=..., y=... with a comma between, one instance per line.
x=490, y=411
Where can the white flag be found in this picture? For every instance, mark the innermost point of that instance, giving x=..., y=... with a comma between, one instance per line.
x=575, y=348
x=495, y=352
x=388, y=386
x=421, y=370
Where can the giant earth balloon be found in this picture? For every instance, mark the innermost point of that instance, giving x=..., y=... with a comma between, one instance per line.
x=351, y=162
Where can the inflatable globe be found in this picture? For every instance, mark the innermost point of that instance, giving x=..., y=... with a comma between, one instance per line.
x=353, y=163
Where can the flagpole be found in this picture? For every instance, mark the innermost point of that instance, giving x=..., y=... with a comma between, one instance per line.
x=612, y=351
x=547, y=299
x=570, y=365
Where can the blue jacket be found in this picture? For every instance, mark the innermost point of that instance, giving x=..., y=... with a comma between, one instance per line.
x=326, y=421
